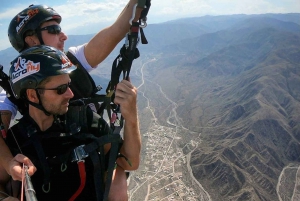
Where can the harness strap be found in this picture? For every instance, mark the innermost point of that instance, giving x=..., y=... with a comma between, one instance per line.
x=111, y=166
x=108, y=106
x=82, y=173
x=40, y=152
x=124, y=60
x=83, y=85
x=91, y=150
x=98, y=177
x=85, y=101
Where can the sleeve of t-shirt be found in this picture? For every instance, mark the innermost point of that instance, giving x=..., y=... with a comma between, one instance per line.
x=78, y=52
x=6, y=104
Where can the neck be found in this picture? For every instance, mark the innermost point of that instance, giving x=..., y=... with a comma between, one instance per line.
x=43, y=121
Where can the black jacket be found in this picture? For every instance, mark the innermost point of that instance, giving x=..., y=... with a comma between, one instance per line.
x=54, y=148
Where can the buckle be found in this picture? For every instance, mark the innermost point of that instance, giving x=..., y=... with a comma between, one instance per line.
x=79, y=154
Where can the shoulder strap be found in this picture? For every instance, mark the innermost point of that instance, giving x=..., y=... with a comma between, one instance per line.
x=82, y=85
x=78, y=118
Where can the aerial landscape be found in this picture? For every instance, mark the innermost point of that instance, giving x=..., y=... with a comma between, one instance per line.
x=219, y=108
x=221, y=115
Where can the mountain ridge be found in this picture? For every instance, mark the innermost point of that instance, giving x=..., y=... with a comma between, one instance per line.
x=236, y=84
x=243, y=98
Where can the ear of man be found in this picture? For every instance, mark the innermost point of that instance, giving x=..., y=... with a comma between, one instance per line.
x=31, y=40
x=32, y=96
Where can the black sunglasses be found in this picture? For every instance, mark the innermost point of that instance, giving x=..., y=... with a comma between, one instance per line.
x=52, y=29
x=61, y=89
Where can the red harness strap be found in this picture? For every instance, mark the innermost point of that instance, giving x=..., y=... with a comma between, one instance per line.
x=82, y=173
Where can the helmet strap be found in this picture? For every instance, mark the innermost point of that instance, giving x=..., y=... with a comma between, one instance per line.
x=39, y=35
x=39, y=105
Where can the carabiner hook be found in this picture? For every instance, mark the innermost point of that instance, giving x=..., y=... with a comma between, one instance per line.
x=133, y=14
x=143, y=23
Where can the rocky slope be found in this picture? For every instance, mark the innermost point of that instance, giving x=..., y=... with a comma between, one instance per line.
x=244, y=98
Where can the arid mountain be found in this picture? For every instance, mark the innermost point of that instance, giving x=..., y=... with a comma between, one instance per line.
x=235, y=83
x=239, y=87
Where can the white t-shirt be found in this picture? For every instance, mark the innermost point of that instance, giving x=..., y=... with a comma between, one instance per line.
x=78, y=52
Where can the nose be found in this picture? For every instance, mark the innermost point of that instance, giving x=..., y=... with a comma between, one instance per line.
x=63, y=36
x=69, y=93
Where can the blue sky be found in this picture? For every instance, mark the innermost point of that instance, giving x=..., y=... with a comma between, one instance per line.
x=90, y=16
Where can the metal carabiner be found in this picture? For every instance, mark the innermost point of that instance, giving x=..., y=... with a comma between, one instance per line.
x=133, y=14
x=44, y=188
x=143, y=23
x=63, y=167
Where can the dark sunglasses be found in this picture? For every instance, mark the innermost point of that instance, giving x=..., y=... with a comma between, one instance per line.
x=61, y=89
x=52, y=29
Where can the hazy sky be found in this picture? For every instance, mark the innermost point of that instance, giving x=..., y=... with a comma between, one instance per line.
x=90, y=16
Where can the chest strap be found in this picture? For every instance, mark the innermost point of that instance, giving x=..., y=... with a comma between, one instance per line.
x=78, y=155
x=102, y=183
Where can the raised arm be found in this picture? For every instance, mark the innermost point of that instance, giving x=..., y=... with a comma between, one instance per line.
x=101, y=45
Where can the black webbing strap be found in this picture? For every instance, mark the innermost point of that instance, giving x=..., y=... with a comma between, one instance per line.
x=124, y=60
x=129, y=50
x=32, y=133
x=82, y=84
x=85, y=101
x=128, y=53
x=111, y=166
x=122, y=63
x=102, y=186
x=98, y=175
x=143, y=17
x=91, y=150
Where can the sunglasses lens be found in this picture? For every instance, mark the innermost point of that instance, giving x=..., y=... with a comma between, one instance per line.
x=62, y=89
x=54, y=29
x=59, y=90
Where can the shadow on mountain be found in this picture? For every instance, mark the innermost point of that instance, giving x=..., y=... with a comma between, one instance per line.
x=236, y=81
x=239, y=88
